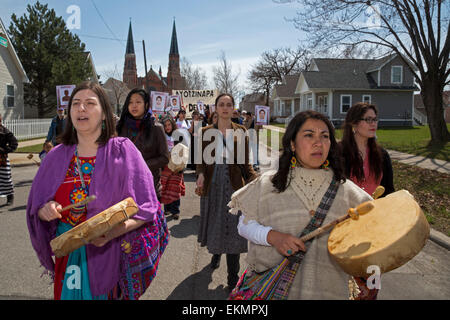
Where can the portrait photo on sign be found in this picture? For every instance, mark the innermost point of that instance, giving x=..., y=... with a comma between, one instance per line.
x=174, y=104
x=201, y=107
x=63, y=94
x=262, y=114
x=159, y=100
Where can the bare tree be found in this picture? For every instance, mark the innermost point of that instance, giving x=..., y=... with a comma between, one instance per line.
x=225, y=79
x=418, y=31
x=274, y=65
x=196, y=78
x=117, y=90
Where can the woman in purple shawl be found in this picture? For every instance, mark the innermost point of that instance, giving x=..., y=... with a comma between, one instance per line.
x=92, y=161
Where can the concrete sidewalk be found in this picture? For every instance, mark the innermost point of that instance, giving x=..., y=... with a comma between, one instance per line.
x=20, y=159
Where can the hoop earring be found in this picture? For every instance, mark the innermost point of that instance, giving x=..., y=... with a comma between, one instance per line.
x=325, y=165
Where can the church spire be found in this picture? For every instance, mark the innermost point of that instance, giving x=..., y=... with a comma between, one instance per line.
x=174, y=42
x=130, y=43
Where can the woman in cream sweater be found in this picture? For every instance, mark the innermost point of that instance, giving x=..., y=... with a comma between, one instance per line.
x=279, y=204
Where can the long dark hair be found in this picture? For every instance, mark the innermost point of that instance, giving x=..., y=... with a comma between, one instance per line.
x=69, y=136
x=352, y=158
x=281, y=178
x=147, y=121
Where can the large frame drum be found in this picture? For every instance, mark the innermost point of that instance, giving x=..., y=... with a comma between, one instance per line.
x=388, y=236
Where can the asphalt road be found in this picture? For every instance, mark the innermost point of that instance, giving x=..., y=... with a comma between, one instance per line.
x=183, y=271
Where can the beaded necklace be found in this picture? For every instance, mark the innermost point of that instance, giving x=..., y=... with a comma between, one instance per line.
x=87, y=168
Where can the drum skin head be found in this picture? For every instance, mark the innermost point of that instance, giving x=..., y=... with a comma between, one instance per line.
x=388, y=236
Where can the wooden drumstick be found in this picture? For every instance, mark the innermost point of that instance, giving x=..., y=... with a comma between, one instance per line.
x=79, y=204
x=352, y=212
x=30, y=157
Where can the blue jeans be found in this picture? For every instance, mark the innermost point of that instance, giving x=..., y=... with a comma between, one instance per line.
x=173, y=207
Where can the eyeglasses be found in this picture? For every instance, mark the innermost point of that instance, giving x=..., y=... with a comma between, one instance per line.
x=370, y=120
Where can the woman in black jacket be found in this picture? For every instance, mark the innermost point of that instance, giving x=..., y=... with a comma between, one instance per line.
x=8, y=143
x=366, y=163
x=137, y=124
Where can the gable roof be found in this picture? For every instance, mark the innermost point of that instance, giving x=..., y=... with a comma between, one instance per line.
x=287, y=88
x=13, y=53
x=346, y=74
x=253, y=97
x=380, y=63
x=341, y=74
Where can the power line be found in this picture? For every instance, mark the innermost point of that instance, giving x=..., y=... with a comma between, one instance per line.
x=104, y=22
x=105, y=38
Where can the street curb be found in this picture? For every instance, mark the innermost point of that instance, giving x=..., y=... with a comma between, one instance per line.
x=440, y=238
x=18, y=165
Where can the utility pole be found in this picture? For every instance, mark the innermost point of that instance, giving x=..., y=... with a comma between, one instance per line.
x=145, y=65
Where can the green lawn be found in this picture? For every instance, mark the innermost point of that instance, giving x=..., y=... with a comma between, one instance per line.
x=30, y=149
x=413, y=140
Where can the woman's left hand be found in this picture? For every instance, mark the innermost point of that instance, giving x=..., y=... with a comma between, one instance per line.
x=101, y=241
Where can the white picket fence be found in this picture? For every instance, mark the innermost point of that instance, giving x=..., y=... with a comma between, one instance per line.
x=24, y=129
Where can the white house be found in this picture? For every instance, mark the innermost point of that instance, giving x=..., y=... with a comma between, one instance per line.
x=12, y=78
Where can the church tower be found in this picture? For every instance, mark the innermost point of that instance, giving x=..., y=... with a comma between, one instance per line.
x=174, y=79
x=129, y=68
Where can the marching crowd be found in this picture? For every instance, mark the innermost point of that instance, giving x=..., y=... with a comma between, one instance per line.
x=241, y=210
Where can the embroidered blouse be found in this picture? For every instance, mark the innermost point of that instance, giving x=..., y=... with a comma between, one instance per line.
x=72, y=191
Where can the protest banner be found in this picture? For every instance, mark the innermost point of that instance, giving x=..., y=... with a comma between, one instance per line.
x=190, y=99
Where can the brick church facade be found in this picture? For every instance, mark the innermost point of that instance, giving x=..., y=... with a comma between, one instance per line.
x=154, y=81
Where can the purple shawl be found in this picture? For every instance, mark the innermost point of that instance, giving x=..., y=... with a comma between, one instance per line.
x=120, y=172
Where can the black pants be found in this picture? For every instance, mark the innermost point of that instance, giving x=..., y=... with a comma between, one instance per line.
x=233, y=267
x=173, y=207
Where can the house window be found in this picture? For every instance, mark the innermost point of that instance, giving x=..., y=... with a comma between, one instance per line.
x=346, y=102
x=367, y=98
x=397, y=74
x=10, y=96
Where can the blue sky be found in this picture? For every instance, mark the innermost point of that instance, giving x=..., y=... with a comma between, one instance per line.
x=244, y=29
